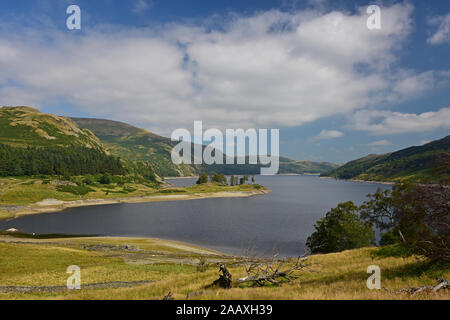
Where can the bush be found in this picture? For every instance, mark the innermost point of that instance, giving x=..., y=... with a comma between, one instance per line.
x=219, y=178
x=105, y=179
x=77, y=190
x=341, y=229
x=202, y=179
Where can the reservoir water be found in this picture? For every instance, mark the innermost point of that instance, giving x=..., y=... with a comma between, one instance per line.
x=282, y=219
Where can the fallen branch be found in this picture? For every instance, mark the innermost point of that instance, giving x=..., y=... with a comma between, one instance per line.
x=272, y=271
x=443, y=284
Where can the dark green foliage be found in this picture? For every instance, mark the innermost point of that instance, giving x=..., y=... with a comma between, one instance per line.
x=341, y=229
x=202, y=179
x=172, y=191
x=390, y=237
x=417, y=216
x=71, y=161
x=105, y=179
x=219, y=178
x=78, y=190
x=89, y=180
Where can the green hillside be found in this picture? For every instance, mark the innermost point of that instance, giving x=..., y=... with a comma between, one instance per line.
x=135, y=144
x=427, y=163
x=300, y=167
x=35, y=143
x=138, y=144
x=24, y=126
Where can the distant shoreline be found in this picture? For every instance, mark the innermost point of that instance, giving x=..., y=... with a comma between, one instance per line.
x=358, y=180
x=54, y=206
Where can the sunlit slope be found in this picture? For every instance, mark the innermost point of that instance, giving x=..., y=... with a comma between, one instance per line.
x=427, y=163
x=133, y=144
x=25, y=126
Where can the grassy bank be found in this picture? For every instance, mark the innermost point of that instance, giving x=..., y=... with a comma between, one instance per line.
x=151, y=268
x=22, y=196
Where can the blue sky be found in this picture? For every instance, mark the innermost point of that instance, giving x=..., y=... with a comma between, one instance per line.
x=336, y=90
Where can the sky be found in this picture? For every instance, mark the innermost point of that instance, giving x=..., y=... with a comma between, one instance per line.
x=335, y=89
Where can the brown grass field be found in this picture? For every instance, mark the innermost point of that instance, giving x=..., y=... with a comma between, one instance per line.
x=173, y=266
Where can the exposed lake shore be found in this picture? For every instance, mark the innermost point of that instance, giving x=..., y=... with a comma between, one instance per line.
x=53, y=205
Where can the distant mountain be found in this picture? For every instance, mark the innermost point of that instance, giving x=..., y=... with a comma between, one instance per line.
x=25, y=126
x=301, y=167
x=427, y=163
x=138, y=144
x=134, y=144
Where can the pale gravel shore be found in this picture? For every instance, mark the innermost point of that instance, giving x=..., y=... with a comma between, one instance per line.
x=53, y=205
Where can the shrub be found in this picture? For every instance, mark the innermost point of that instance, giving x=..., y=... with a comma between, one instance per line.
x=341, y=229
x=105, y=179
x=78, y=190
x=202, y=179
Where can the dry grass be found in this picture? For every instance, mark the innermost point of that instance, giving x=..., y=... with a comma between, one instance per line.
x=172, y=266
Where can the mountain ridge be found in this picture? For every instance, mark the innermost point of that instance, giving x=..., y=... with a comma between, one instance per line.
x=429, y=163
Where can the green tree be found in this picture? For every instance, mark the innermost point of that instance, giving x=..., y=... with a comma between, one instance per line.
x=341, y=229
x=202, y=179
x=219, y=178
x=415, y=216
x=105, y=179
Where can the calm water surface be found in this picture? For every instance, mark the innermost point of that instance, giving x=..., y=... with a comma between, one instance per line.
x=283, y=218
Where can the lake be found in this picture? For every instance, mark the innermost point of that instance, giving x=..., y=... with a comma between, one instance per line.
x=282, y=219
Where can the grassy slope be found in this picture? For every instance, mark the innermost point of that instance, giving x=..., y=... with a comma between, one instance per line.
x=172, y=266
x=133, y=144
x=24, y=126
x=427, y=163
x=137, y=144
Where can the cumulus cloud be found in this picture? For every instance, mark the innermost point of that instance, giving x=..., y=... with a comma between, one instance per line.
x=379, y=122
x=442, y=34
x=271, y=69
x=327, y=134
x=380, y=143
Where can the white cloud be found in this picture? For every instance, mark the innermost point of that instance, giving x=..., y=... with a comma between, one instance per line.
x=327, y=134
x=268, y=70
x=380, y=143
x=140, y=6
x=442, y=34
x=387, y=122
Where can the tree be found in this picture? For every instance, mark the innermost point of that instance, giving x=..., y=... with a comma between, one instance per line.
x=341, y=229
x=416, y=216
x=232, y=181
x=202, y=179
x=105, y=179
x=219, y=178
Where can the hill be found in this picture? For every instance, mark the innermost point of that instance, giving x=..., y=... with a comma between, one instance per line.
x=138, y=144
x=36, y=143
x=427, y=164
x=25, y=126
